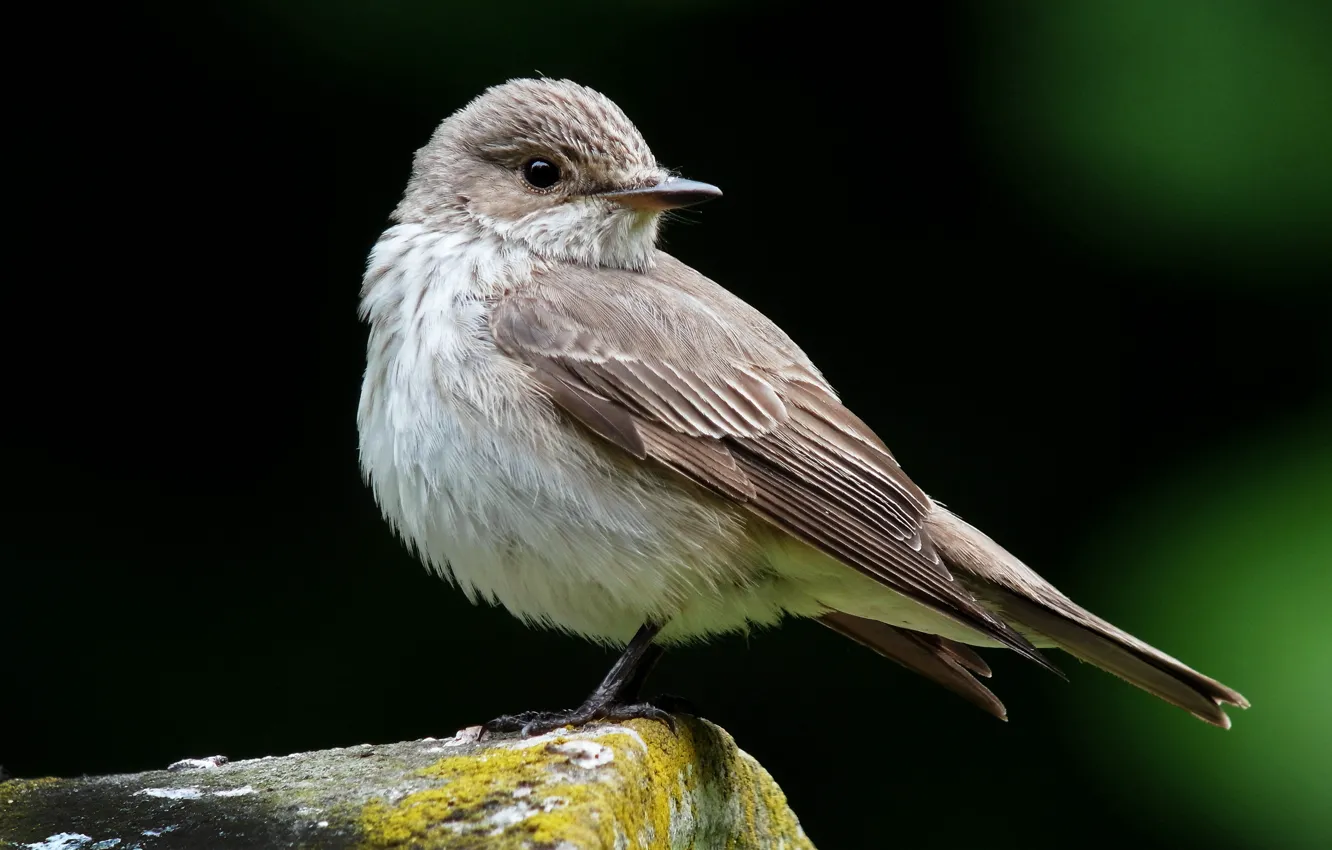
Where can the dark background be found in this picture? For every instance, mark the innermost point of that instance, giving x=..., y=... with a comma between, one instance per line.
x=1109, y=223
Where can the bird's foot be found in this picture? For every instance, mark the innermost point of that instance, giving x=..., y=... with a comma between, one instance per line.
x=672, y=704
x=528, y=723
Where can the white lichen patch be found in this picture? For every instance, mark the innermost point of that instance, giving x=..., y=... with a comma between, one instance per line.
x=583, y=735
x=550, y=804
x=171, y=793
x=206, y=763
x=681, y=825
x=622, y=730
x=510, y=815
x=585, y=754
x=61, y=841
x=72, y=841
x=234, y=792
x=534, y=741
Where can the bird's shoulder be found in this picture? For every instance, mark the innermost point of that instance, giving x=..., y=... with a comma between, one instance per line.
x=669, y=313
x=670, y=345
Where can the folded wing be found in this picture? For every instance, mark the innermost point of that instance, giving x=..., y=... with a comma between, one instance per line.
x=673, y=369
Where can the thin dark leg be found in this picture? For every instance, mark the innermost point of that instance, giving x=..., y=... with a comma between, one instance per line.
x=616, y=698
x=633, y=689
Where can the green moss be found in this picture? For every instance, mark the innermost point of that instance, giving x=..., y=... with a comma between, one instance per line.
x=690, y=789
x=13, y=804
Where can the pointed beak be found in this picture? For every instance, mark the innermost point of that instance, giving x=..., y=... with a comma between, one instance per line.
x=671, y=193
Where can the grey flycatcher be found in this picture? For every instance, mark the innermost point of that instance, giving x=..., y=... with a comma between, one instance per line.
x=563, y=419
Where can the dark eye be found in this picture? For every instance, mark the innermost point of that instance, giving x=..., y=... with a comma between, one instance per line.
x=541, y=173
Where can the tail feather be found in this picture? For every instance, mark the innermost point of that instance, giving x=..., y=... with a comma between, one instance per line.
x=1095, y=641
x=1034, y=607
x=948, y=663
x=964, y=655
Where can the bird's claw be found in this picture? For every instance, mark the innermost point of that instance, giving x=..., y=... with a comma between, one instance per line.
x=529, y=723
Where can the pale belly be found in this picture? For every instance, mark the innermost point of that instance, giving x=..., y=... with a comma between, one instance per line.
x=518, y=508
x=498, y=493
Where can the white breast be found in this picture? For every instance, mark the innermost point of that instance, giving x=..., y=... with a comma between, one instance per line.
x=478, y=473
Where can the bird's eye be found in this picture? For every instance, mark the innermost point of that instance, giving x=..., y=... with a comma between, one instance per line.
x=541, y=173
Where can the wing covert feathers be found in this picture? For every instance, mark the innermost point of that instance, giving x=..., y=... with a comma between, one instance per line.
x=670, y=367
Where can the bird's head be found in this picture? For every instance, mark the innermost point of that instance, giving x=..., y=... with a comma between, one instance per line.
x=552, y=165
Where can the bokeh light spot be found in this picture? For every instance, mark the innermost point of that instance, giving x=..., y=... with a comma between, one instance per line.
x=1227, y=566
x=1185, y=129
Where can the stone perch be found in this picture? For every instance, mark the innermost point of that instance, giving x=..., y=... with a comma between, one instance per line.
x=635, y=786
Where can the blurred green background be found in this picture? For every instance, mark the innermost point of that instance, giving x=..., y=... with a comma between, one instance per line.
x=1110, y=223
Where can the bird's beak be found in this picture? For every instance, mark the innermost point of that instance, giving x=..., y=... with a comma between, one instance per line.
x=671, y=193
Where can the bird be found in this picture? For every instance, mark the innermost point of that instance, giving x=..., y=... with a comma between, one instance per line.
x=561, y=418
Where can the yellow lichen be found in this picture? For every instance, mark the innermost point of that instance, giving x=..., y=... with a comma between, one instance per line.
x=14, y=787
x=530, y=796
x=473, y=785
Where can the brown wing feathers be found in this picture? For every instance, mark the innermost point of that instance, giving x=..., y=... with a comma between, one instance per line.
x=808, y=496
x=944, y=661
x=691, y=397
x=612, y=421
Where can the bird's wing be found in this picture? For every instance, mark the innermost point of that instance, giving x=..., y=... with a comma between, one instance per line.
x=672, y=368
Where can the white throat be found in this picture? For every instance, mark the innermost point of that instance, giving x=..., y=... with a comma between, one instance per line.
x=583, y=231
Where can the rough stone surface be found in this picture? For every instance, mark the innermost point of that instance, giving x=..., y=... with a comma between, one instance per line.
x=635, y=786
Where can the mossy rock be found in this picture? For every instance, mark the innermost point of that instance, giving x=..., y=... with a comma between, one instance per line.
x=637, y=786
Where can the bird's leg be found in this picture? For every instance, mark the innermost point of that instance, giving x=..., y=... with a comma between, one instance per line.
x=633, y=686
x=669, y=703
x=618, y=697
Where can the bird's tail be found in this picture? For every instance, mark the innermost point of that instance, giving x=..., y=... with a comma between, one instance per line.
x=1034, y=607
x=951, y=664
